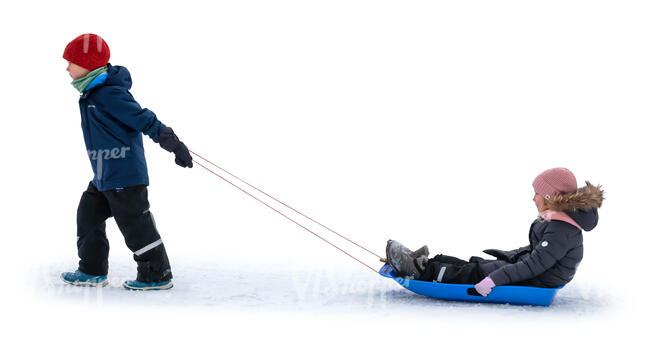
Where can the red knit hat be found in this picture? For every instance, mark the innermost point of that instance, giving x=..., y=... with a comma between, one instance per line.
x=88, y=50
x=555, y=181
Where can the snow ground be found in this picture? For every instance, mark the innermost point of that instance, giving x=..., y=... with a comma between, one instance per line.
x=319, y=303
x=221, y=286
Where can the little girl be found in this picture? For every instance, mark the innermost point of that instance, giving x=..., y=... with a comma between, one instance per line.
x=551, y=258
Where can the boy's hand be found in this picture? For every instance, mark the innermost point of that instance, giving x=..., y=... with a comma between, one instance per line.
x=170, y=142
x=183, y=157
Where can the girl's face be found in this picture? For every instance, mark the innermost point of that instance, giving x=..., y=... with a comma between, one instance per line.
x=540, y=202
x=76, y=71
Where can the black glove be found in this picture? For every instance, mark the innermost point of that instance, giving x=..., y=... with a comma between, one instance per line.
x=511, y=256
x=170, y=142
x=499, y=254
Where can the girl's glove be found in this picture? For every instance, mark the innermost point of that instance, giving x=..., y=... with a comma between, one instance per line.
x=501, y=255
x=170, y=142
x=485, y=286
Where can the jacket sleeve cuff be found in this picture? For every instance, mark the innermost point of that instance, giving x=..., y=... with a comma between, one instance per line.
x=498, y=277
x=154, y=131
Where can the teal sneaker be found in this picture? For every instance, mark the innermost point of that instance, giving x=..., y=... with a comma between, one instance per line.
x=78, y=278
x=144, y=286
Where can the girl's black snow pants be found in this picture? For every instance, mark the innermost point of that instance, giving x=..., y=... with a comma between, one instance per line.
x=130, y=208
x=449, y=269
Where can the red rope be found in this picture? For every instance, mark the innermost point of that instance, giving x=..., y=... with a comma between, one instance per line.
x=284, y=215
x=293, y=209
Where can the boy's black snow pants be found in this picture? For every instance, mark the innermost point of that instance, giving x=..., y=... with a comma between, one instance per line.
x=130, y=208
x=449, y=269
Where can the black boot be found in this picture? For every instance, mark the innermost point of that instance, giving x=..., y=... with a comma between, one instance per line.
x=402, y=259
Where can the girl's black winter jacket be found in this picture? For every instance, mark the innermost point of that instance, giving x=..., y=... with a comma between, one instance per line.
x=555, y=250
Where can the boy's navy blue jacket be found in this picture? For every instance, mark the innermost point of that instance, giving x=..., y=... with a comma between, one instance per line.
x=112, y=123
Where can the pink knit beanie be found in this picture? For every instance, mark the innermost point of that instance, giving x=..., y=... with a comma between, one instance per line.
x=555, y=181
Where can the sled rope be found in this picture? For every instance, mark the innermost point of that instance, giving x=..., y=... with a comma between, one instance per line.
x=280, y=213
x=291, y=208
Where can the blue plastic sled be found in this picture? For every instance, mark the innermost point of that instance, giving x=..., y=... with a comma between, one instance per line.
x=516, y=295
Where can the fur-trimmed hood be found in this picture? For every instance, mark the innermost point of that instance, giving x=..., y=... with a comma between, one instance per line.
x=581, y=205
x=584, y=198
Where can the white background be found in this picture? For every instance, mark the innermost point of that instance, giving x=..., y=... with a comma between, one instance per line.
x=421, y=121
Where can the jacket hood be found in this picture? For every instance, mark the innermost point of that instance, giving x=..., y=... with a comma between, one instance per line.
x=586, y=219
x=118, y=76
x=581, y=205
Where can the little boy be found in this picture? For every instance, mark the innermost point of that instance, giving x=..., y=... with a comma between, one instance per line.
x=113, y=123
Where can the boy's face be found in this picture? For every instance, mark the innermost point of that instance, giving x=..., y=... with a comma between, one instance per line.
x=76, y=71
